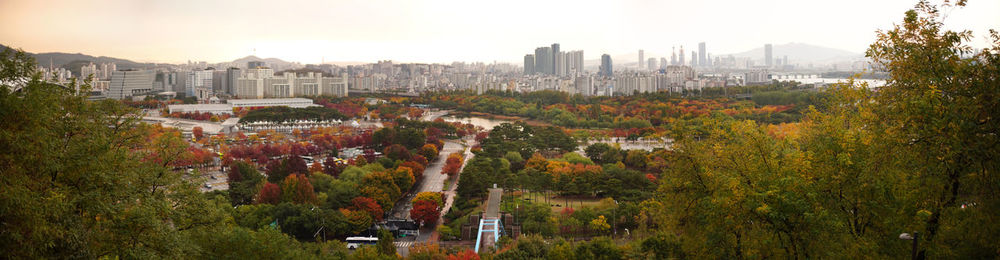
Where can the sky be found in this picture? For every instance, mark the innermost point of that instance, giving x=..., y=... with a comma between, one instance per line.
x=311, y=31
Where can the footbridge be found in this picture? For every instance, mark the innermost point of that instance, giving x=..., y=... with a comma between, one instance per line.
x=490, y=226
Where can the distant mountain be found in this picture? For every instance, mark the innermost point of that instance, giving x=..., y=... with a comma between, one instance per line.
x=271, y=62
x=802, y=53
x=73, y=61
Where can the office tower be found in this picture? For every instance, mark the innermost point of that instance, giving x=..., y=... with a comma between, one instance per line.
x=543, y=60
x=663, y=63
x=127, y=83
x=767, y=55
x=639, y=64
x=708, y=60
x=606, y=69
x=651, y=64
x=219, y=81
x=701, y=54
x=198, y=84
x=232, y=74
x=255, y=64
x=673, y=55
x=574, y=60
x=681, y=58
x=555, y=55
x=784, y=61
x=694, y=59
x=529, y=64
x=560, y=63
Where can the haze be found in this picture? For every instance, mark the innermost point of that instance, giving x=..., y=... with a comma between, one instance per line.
x=446, y=31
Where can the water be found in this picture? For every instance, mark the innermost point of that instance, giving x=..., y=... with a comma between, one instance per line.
x=485, y=123
x=871, y=82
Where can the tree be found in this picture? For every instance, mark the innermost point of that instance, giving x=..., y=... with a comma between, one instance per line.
x=397, y=152
x=453, y=164
x=425, y=211
x=367, y=205
x=269, y=194
x=243, y=182
x=297, y=188
x=85, y=179
x=936, y=113
x=198, y=133
x=429, y=151
x=385, y=243
x=600, y=224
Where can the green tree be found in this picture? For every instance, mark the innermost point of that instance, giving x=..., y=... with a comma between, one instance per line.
x=85, y=179
x=937, y=113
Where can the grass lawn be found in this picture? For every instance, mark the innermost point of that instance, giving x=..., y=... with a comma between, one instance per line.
x=558, y=203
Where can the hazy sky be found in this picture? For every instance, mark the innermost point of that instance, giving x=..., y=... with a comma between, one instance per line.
x=451, y=30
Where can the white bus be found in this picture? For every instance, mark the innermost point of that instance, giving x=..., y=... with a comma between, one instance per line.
x=356, y=242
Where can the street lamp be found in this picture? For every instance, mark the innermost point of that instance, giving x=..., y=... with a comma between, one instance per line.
x=915, y=237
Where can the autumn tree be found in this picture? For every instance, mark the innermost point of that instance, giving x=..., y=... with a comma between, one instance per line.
x=367, y=205
x=198, y=133
x=425, y=211
x=297, y=188
x=453, y=164
x=270, y=193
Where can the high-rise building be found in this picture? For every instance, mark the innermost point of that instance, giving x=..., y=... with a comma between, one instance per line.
x=560, y=63
x=639, y=63
x=694, y=59
x=701, y=54
x=606, y=69
x=681, y=58
x=574, y=62
x=555, y=56
x=673, y=55
x=232, y=75
x=543, y=60
x=198, y=84
x=767, y=55
x=663, y=63
x=127, y=83
x=529, y=64
x=651, y=64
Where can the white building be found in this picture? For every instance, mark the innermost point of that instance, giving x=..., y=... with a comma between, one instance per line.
x=198, y=84
x=261, y=83
x=127, y=83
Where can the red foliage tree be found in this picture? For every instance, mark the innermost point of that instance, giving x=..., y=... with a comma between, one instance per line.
x=270, y=194
x=367, y=205
x=425, y=211
x=198, y=133
x=453, y=164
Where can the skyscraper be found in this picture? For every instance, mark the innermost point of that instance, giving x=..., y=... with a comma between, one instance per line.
x=651, y=64
x=767, y=55
x=663, y=63
x=701, y=54
x=529, y=64
x=543, y=60
x=681, y=59
x=694, y=59
x=673, y=55
x=606, y=69
x=639, y=64
x=232, y=74
x=555, y=56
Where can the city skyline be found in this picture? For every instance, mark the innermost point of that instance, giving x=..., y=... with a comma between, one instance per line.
x=442, y=32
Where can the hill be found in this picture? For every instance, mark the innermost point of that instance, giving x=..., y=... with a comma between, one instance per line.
x=803, y=53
